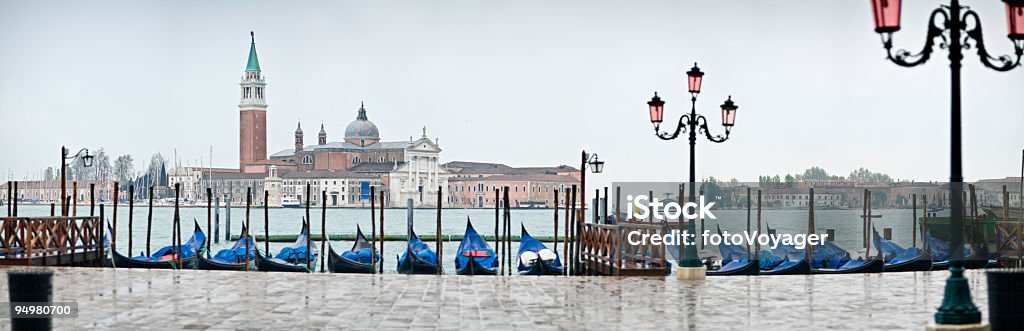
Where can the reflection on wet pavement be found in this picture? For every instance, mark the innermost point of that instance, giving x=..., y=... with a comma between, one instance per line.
x=215, y=300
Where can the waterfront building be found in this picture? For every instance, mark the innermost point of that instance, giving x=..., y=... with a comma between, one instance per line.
x=473, y=183
x=344, y=188
x=404, y=169
x=193, y=181
x=48, y=191
x=800, y=198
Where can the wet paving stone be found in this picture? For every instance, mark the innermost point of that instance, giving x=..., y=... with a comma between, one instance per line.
x=224, y=300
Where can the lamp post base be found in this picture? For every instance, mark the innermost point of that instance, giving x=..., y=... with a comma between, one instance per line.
x=958, y=327
x=691, y=273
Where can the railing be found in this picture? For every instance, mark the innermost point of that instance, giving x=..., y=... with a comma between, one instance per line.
x=24, y=239
x=605, y=250
x=1009, y=241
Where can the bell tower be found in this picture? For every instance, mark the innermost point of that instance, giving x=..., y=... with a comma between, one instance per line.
x=252, y=143
x=298, y=139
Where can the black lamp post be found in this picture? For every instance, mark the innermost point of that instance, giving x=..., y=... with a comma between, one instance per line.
x=64, y=158
x=692, y=122
x=597, y=166
x=949, y=23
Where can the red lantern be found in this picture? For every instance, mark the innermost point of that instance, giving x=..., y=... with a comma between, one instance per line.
x=1015, y=19
x=728, y=112
x=887, y=15
x=695, y=76
x=657, y=108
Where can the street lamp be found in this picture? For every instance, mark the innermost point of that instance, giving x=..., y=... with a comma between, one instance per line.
x=690, y=266
x=64, y=162
x=952, y=21
x=596, y=166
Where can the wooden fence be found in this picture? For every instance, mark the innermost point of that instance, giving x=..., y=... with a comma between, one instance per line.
x=605, y=250
x=52, y=240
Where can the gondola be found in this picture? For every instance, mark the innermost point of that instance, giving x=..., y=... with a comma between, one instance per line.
x=939, y=250
x=355, y=260
x=232, y=259
x=735, y=261
x=535, y=258
x=898, y=259
x=474, y=257
x=783, y=260
x=788, y=267
x=872, y=265
x=289, y=259
x=417, y=258
x=831, y=259
x=165, y=257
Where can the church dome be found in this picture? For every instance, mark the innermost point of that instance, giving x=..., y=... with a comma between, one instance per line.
x=361, y=128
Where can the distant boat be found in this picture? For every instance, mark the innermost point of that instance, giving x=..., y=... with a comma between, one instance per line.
x=531, y=205
x=290, y=202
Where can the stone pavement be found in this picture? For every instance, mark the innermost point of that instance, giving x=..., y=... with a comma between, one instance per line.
x=225, y=300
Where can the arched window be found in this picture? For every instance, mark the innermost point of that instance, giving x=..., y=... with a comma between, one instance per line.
x=355, y=160
x=381, y=159
x=306, y=159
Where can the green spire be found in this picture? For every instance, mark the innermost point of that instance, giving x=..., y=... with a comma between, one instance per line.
x=254, y=63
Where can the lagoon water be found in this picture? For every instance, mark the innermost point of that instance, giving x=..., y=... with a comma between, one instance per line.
x=847, y=225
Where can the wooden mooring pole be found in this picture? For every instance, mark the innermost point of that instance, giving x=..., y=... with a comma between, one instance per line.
x=497, y=230
x=245, y=227
x=98, y=252
x=508, y=233
x=113, y=233
x=618, y=199
x=810, y=224
x=309, y=264
x=748, y=223
x=74, y=198
x=209, y=219
x=176, y=229
x=868, y=231
x=149, y=223
x=15, y=202
x=373, y=230
x=924, y=222
x=266, y=231
x=10, y=189
x=864, y=219
x=323, y=224
x=565, y=238
x=757, y=245
x=571, y=224
x=92, y=199
x=380, y=267
x=440, y=252
x=913, y=228
x=555, y=245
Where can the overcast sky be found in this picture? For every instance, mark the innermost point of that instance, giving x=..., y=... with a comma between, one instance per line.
x=521, y=83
